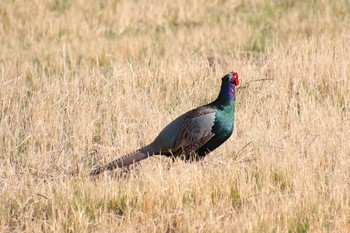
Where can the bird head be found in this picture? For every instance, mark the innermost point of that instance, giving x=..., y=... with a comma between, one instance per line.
x=228, y=87
x=231, y=78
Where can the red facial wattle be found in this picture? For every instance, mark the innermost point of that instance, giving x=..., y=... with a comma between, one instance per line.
x=235, y=78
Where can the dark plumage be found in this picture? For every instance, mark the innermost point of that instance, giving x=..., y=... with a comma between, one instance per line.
x=193, y=134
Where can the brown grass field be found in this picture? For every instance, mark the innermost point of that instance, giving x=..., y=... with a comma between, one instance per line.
x=84, y=82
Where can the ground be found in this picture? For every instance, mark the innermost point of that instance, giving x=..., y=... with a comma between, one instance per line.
x=84, y=82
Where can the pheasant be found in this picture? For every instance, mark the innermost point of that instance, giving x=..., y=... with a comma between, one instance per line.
x=192, y=135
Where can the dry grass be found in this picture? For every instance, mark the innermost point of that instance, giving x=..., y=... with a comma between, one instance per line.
x=84, y=82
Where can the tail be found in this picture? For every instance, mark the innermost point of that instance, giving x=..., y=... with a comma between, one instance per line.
x=125, y=161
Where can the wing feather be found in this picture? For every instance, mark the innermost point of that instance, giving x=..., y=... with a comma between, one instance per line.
x=196, y=130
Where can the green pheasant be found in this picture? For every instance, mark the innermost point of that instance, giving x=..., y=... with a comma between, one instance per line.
x=191, y=135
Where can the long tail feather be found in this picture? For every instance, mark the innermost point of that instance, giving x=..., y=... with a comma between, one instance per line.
x=125, y=161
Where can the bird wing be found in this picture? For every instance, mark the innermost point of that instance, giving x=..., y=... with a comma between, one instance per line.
x=195, y=131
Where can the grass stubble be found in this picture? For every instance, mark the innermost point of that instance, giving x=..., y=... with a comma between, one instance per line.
x=84, y=82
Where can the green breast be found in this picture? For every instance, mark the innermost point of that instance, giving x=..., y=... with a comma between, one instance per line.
x=224, y=121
